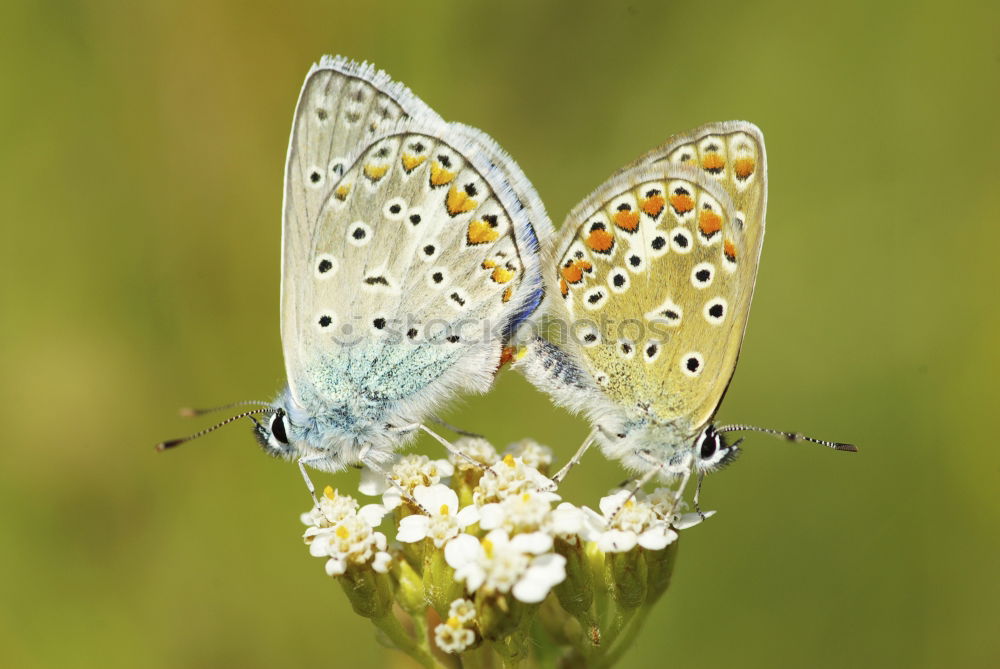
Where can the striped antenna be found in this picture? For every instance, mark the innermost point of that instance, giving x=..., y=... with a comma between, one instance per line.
x=188, y=412
x=164, y=445
x=790, y=436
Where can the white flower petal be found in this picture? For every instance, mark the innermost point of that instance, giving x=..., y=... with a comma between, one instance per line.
x=499, y=538
x=468, y=516
x=381, y=562
x=392, y=498
x=372, y=483
x=567, y=519
x=491, y=516
x=594, y=524
x=544, y=572
x=336, y=566
x=613, y=502
x=535, y=543
x=380, y=541
x=463, y=549
x=320, y=546
x=444, y=467
x=372, y=514
x=472, y=574
x=541, y=481
x=548, y=495
x=657, y=538
x=617, y=541
x=691, y=519
x=413, y=528
x=434, y=497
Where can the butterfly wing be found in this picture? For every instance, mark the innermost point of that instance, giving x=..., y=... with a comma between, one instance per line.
x=655, y=272
x=732, y=154
x=409, y=256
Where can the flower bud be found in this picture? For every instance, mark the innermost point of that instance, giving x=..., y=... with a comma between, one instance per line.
x=625, y=577
x=370, y=593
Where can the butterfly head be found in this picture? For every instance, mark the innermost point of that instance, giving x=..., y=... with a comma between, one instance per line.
x=645, y=443
x=272, y=435
x=713, y=451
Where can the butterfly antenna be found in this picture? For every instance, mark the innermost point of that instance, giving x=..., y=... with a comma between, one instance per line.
x=188, y=412
x=164, y=445
x=790, y=436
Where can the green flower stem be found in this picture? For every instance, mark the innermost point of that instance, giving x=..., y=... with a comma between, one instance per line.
x=440, y=586
x=627, y=634
x=659, y=569
x=389, y=624
x=478, y=658
x=409, y=589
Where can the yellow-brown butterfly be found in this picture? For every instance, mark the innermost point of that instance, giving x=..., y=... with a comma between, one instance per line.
x=649, y=285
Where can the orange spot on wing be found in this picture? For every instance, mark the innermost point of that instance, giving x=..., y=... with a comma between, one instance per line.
x=342, y=191
x=682, y=204
x=563, y=287
x=480, y=232
x=709, y=222
x=375, y=172
x=507, y=294
x=507, y=355
x=743, y=168
x=730, y=250
x=410, y=161
x=600, y=240
x=713, y=162
x=653, y=205
x=627, y=220
x=488, y=264
x=574, y=272
x=459, y=202
x=503, y=275
x=439, y=175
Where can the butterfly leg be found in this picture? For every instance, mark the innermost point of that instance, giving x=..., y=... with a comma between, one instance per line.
x=575, y=460
x=302, y=462
x=697, y=494
x=457, y=452
x=456, y=430
x=680, y=493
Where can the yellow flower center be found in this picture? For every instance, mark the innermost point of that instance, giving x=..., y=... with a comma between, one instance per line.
x=443, y=510
x=329, y=492
x=342, y=532
x=509, y=460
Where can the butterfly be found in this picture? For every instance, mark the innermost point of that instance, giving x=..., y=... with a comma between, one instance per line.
x=649, y=283
x=410, y=255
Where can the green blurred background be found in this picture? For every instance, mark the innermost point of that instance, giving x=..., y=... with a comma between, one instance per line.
x=141, y=158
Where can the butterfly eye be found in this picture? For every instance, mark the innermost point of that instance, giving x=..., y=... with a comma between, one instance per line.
x=713, y=451
x=708, y=447
x=278, y=427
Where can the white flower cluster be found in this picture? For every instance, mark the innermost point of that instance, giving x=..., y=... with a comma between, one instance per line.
x=456, y=633
x=628, y=520
x=511, y=538
x=345, y=534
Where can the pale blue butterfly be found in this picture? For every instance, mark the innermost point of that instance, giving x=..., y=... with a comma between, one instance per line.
x=652, y=277
x=409, y=259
